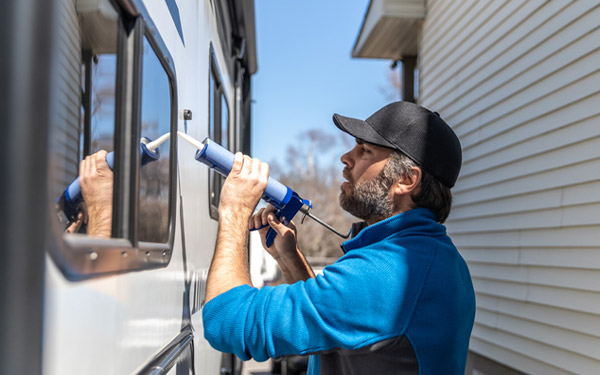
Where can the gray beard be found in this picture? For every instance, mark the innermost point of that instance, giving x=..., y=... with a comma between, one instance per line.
x=371, y=200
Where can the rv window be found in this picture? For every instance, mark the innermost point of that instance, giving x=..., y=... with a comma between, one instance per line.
x=218, y=131
x=115, y=83
x=154, y=185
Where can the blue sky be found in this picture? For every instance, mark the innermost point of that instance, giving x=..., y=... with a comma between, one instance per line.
x=306, y=72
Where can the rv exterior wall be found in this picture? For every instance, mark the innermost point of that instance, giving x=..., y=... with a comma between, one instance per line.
x=520, y=83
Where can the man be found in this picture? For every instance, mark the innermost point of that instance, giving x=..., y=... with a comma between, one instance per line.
x=400, y=301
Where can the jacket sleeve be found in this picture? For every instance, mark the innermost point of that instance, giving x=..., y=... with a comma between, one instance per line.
x=363, y=298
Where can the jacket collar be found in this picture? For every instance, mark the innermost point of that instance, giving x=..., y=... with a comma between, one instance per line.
x=418, y=220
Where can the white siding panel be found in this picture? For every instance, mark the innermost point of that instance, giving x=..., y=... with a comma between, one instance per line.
x=501, y=118
x=552, y=55
x=461, y=11
x=584, y=193
x=557, y=317
x=580, y=152
x=565, y=176
x=538, y=144
x=568, y=278
x=513, y=358
x=573, y=114
x=65, y=104
x=574, y=257
x=553, y=357
x=446, y=12
x=519, y=81
x=562, y=339
x=499, y=105
x=552, y=218
x=580, y=236
x=552, y=297
x=478, y=53
x=520, y=41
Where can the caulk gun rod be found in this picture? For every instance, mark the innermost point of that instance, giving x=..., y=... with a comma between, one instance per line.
x=305, y=211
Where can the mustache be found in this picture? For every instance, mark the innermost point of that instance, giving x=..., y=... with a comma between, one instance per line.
x=347, y=175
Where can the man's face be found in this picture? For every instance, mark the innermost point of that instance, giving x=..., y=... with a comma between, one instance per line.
x=366, y=194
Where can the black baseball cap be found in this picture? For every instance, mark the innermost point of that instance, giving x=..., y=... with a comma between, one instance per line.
x=416, y=131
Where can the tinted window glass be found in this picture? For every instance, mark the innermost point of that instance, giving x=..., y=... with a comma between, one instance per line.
x=218, y=132
x=154, y=176
x=224, y=123
x=102, y=130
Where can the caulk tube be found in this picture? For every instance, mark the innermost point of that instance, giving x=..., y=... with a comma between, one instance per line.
x=221, y=160
x=71, y=197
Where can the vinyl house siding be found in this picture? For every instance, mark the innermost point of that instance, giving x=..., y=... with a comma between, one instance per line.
x=67, y=62
x=519, y=81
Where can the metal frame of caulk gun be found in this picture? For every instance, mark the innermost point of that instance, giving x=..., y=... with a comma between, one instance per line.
x=71, y=197
x=285, y=200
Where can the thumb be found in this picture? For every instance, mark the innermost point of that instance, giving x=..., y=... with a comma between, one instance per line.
x=277, y=225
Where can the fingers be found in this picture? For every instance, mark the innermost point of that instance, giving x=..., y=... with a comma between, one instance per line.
x=250, y=169
x=277, y=225
x=246, y=166
x=100, y=155
x=259, y=219
x=255, y=167
x=265, y=212
x=76, y=225
x=263, y=172
x=92, y=164
x=238, y=161
x=85, y=168
x=100, y=159
x=255, y=221
x=82, y=167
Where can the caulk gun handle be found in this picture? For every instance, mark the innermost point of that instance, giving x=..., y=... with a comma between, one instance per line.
x=287, y=213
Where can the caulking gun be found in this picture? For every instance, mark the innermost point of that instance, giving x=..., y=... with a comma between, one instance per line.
x=71, y=197
x=286, y=201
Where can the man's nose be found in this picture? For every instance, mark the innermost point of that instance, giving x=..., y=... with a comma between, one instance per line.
x=346, y=159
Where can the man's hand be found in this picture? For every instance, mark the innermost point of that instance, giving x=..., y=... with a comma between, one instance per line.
x=240, y=194
x=96, y=181
x=81, y=219
x=244, y=186
x=285, y=242
x=284, y=249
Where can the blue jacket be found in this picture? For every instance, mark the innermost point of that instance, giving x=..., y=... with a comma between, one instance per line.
x=401, y=284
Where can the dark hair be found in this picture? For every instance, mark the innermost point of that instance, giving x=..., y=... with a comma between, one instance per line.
x=432, y=194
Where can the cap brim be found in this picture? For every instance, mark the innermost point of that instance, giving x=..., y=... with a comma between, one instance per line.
x=361, y=129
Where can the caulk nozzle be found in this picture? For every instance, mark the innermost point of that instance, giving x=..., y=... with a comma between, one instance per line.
x=199, y=145
x=159, y=141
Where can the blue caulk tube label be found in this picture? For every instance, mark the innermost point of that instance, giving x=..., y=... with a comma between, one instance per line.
x=284, y=199
x=220, y=159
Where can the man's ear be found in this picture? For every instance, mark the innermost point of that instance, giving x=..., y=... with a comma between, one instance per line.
x=409, y=183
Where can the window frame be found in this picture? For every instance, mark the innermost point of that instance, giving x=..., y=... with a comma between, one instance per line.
x=216, y=85
x=167, y=64
x=81, y=257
